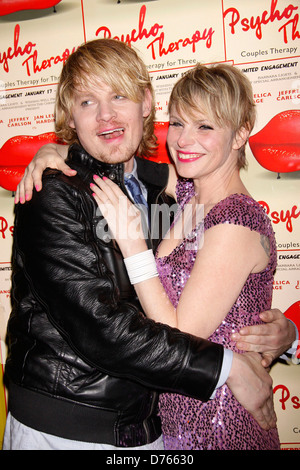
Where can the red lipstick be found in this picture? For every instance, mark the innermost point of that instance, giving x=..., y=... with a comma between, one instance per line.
x=187, y=157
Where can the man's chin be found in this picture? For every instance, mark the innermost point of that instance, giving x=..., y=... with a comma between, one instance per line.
x=115, y=157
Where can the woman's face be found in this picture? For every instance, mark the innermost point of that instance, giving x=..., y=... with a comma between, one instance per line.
x=198, y=146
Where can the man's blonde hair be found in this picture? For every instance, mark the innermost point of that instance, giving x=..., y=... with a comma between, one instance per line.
x=115, y=64
x=220, y=91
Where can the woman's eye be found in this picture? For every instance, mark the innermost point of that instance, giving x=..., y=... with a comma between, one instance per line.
x=205, y=127
x=175, y=124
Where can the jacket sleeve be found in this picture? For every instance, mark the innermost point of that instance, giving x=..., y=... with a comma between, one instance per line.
x=71, y=281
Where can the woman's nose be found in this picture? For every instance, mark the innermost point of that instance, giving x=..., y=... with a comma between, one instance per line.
x=186, y=137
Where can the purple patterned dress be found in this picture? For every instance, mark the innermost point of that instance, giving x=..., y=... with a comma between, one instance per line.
x=221, y=423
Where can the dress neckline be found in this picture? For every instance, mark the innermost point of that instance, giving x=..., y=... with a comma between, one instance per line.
x=197, y=227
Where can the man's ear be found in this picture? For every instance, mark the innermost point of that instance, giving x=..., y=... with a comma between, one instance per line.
x=71, y=123
x=240, y=138
x=147, y=103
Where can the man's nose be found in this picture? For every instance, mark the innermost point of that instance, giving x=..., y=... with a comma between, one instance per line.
x=105, y=111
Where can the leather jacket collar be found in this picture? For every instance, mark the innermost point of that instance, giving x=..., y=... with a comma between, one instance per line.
x=153, y=175
x=115, y=172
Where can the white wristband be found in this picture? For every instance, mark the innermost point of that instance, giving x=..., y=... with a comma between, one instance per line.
x=141, y=266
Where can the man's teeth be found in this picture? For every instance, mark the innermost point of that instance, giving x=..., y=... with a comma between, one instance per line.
x=112, y=131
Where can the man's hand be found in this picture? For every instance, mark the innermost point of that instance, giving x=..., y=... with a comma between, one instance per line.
x=271, y=338
x=48, y=156
x=252, y=387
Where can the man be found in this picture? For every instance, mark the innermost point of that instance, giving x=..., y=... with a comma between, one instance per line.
x=84, y=365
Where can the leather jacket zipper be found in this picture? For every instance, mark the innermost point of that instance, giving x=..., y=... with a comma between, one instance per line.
x=145, y=422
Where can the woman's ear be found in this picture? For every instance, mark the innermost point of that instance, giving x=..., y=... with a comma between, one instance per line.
x=240, y=138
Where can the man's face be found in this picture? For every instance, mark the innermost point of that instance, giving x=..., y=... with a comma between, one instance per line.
x=109, y=126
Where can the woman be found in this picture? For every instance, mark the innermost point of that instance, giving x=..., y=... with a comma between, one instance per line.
x=219, y=275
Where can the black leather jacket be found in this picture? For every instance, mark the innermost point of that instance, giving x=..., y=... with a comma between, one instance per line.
x=84, y=363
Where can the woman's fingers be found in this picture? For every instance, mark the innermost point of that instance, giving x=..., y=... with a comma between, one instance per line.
x=109, y=188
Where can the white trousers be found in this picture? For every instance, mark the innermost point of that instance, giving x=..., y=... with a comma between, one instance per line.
x=17, y=436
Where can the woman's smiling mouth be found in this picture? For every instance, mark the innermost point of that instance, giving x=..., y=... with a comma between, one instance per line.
x=188, y=157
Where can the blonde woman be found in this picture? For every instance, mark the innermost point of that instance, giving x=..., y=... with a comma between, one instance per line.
x=217, y=278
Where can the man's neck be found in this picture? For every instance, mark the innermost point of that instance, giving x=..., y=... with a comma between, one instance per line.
x=128, y=166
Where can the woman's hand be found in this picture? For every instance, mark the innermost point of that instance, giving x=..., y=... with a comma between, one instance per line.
x=125, y=223
x=48, y=156
x=123, y=217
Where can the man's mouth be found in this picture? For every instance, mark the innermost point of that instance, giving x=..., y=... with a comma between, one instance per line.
x=112, y=133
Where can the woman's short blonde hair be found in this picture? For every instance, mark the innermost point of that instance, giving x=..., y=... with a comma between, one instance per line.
x=220, y=91
x=115, y=64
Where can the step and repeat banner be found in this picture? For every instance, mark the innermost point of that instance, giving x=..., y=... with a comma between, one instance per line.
x=260, y=37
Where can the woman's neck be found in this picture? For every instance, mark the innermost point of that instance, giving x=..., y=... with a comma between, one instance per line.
x=209, y=191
